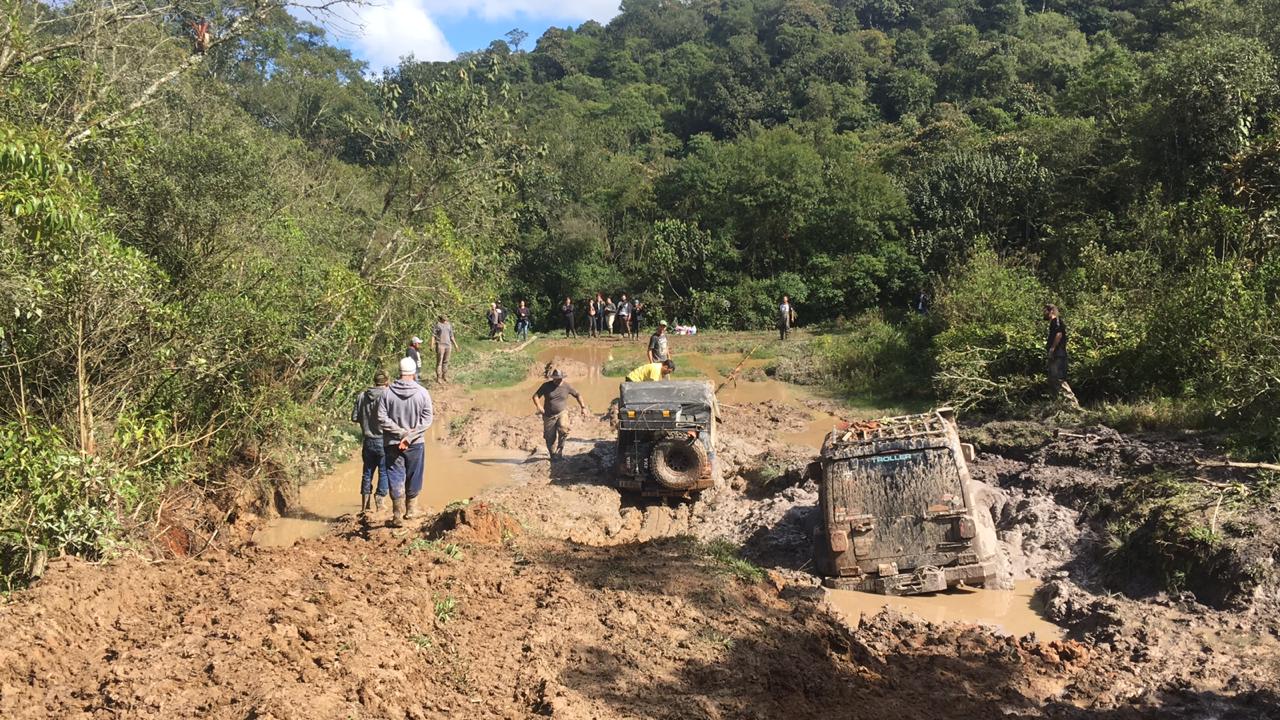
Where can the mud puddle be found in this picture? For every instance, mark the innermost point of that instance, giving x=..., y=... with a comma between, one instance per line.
x=584, y=365
x=450, y=475
x=1010, y=611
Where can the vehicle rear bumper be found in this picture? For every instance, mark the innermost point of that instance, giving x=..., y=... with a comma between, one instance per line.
x=920, y=580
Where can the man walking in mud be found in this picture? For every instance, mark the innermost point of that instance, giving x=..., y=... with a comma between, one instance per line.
x=404, y=413
x=652, y=371
x=444, y=342
x=1056, y=356
x=372, y=453
x=658, y=347
x=555, y=394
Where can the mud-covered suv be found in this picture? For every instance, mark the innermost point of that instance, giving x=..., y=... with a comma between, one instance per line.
x=898, y=515
x=666, y=437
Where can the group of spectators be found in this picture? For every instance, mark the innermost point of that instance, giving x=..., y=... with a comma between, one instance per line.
x=597, y=316
x=604, y=316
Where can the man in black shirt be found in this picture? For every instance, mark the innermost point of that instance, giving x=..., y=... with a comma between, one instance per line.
x=566, y=311
x=1056, y=355
x=555, y=411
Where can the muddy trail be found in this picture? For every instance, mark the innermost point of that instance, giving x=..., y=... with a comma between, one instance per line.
x=535, y=589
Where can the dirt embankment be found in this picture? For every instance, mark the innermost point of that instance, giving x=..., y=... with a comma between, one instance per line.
x=557, y=596
x=484, y=622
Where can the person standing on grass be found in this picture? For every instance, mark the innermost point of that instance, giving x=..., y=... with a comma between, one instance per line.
x=492, y=318
x=444, y=342
x=610, y=312
x=373, y=455
x=404, y=414
x=501, y=327
x=658, y=349
x=566, y=311
x=1056, y=356
x=555, y=394
x=523, y=318
x=593, y=314
x=637, y=318
x=652, y=371
x=415, y=343
x=624, y=315
x=786, y=317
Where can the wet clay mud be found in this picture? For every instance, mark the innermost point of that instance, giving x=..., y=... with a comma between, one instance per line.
x=553, y=594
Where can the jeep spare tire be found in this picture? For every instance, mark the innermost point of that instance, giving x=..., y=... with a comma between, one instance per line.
x=678, y=463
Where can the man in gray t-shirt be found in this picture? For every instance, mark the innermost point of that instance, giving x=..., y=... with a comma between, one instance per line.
x=555, y=411
x=658, y=350
x=444, y=343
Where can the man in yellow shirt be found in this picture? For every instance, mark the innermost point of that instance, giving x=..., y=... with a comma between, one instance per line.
x=652, y=371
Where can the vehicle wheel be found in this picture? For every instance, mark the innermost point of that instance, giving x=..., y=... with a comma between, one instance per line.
x=678, y=464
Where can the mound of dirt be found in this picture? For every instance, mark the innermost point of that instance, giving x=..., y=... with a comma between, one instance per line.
x=477, y=523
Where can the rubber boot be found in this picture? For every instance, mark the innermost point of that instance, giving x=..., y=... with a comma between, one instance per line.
x=397, y=510
x=378, y=503
x=411, y=508
x=366, y=504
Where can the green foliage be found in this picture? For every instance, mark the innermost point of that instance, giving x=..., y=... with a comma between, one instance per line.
x=54, y=500
x=475, y=368
x=726, y=558
x=1180, y=530
x=989, y=349
x=449, y=551
x=870, y=356
x=444, y=607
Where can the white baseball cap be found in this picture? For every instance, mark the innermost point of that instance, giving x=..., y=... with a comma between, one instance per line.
x=408, y=366
x=416, y=340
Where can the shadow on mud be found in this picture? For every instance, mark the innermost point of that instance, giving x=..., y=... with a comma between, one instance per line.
x=788, y=543
x=735, y=650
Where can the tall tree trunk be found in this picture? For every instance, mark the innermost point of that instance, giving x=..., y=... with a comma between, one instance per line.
x=84, y=411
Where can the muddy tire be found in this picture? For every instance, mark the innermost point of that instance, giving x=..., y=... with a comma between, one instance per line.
x=679, y=464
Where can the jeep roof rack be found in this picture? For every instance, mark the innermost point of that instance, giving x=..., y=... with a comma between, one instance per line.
x=894, y=428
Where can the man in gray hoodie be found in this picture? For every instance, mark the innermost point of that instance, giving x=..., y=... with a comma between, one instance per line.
x=373, y=453
x=405, y=413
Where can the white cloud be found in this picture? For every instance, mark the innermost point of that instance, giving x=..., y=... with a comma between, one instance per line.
x=387, y=30
x=579, y=10
x=397, y=28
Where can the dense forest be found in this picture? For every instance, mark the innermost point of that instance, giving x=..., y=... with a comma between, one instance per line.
x=216, y=222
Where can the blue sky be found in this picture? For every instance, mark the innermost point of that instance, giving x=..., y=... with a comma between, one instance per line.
x=440, y=29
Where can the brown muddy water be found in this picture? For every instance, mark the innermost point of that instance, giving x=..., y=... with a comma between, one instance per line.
x=1010, y=611
x=451, y=475
x=599, y=390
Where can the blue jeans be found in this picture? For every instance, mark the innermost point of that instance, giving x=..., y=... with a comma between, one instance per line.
x=404, y=470
x=375, y=458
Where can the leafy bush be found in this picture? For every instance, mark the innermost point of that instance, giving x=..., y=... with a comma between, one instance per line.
x=54, y=500
x=989, y=352
x=869, y=355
